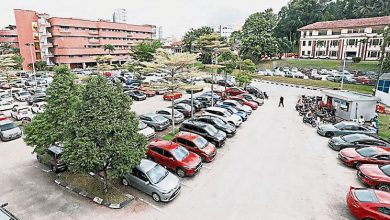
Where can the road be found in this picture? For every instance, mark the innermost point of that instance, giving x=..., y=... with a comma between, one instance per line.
x=275, y=167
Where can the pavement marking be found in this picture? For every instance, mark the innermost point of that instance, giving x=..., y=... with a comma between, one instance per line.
x=44, y=170
x=151, y=205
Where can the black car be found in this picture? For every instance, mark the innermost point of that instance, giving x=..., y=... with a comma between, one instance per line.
x=36, y=98
x=197, y=105
x=5, y=214
x=183, y=108
x=355, y=141
x=209, y=132
x=255, y=91
x=52, y=158
x=205, y=101
x=136, y=95
x=227, y=83
x=218, y=123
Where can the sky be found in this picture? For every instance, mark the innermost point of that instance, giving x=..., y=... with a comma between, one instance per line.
x=175, y=16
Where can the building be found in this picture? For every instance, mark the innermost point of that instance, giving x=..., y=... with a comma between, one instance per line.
x=382, y=90
x=119, y=16
x=224, y=30
x=74, y=42
x=9, y=35
x=344, y=38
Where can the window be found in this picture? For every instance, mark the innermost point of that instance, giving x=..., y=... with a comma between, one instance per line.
x=167, y=154
x=303, y=43
x=157, y=150
x=334, y=43
x=381, y=84
x=308, y=52
x=386, y=87
x=376, y=42
x=309, y=43
x=333, y=53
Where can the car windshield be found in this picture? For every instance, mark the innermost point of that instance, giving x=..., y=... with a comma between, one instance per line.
x=6, y=96
x=180, y=153
x=211, y=130
x=141, y=125
x=385, y=169
x=227, y=113
x=23, y=93
x=8, y=126
x=339, y=125
x=365, y=195
x=351, y=138
x=366, y=152
x=157, y=174
x=159, y=118
x=233, y=110
x=218, y=121
x=201, y=142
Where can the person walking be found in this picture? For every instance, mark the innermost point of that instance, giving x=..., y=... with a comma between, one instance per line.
x=265, y=95
x=281, y=101
x=375, y=123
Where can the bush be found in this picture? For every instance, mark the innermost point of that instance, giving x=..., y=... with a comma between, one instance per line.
x=356, y=59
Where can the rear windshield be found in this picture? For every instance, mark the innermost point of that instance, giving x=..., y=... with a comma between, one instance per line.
x=366, y=152
x=339, y=125
x=365, y=195
x=352, y=137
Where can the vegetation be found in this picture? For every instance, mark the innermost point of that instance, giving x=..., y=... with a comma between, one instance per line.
x=39, y=65
x=110, y=48
x=144, y=52
x=384, y=123
x=193, y=35
x=210, y=46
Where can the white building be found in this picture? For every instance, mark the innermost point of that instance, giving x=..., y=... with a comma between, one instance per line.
x=120, y=16
x=337, y=39
x=382, y=91
x=224, y=30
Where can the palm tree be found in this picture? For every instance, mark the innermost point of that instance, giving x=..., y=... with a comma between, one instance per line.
x=110, y=49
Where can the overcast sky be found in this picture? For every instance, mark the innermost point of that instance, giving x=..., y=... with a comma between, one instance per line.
x=176, y=16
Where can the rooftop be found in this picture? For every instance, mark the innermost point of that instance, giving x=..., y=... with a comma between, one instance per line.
x=385, y=76
x=348, y=23
x=349, y=96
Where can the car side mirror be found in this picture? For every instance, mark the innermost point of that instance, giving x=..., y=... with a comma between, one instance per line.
x=171, y=158
x=147, y=183
x=4, y=205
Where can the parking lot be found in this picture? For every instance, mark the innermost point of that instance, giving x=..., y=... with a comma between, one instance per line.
x=274, y=168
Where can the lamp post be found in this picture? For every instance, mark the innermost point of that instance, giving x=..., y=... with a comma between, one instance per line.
x=31, y=54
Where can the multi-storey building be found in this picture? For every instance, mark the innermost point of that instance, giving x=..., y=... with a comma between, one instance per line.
x=74, y=42
x=9, y=35
x=224, y=30
x=119, y=16
x=344, y=38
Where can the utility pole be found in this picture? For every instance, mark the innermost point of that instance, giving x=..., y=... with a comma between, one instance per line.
x=342, y=74
x=31, y=54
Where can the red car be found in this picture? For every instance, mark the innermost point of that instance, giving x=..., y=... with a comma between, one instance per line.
x=2, y=116
x=197, y=144
x=243, y=101
x=174, y=157
x=368, y=203
x=172, y=96
x=234, y=91
x=374, y=175
x=221, y=94
x=369, y=155
x=147, y=92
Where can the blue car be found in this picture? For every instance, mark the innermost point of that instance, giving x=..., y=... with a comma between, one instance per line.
x=231, y=109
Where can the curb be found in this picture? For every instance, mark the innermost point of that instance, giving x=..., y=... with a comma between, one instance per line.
x=93, y=198
x=294, y=85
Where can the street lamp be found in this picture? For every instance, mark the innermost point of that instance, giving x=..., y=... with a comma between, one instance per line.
x=31, y=54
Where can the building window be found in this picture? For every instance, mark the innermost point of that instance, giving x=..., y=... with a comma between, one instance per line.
x=308, y=52
x=336, y=32
x=303, y=43
x=309, y=42
x=383, y=85
x=333, y=53
x=373, y=54
x=334, y=43
x=352, y=42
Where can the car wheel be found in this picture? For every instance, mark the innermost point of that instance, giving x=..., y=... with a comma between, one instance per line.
x=357, y=165
x=329, y=134
x=156, y=197
x=180, y=172
x=384, y=187
x=125, y=182
x=39, y=159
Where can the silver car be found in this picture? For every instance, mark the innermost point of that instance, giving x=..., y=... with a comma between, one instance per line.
x=167, y=113
x=156, y=121
x=153, y=180
x=9, y=130
x=344, y=128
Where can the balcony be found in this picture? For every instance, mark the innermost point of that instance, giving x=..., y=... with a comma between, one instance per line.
x=45, y=56
x=93, y=32
x=45, y=24
x=93, y=41
x=46, y=44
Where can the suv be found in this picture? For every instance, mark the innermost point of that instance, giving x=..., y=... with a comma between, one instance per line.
x=224, y=114
x=197, y=144
x=235, y=91
x=218, y=123
x=52, y=158
x=9, y=130
x=209, y=132
x=158, y=122
x=197, y=104
x=21, y=113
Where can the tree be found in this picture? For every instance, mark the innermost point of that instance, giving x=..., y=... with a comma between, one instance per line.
x=247, y=66
x=102, y=62
x=139, y=68
x=284, y=46
x=235, y=40
x=52, y=125
x=39, y=65
x=257, y=36
x=192, y=36
x=229, y=60
x=144, y=51
x=110, y=48
x=104, y=136
x=209, y=46
x=244, y=78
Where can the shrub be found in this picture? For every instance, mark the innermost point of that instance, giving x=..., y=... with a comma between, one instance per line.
x=356, y=59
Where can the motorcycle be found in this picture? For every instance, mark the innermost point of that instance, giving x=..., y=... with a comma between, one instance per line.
x=310, y=120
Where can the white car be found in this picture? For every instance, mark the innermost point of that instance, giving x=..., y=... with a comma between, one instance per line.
x=145, y=130
x=238, y=106
x=21, y=113
x=38, y=107
x=224, y=114
x=323, y=57
x=277, y=72
x=4, y=105
x=296, y=73
x=167, y=113
x=324, y=72
x=268, y=72
x=22, y=96
x=9, y=130
x=6, y=97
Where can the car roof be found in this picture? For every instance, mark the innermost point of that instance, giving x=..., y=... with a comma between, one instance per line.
x=166, y=145
x=380, y=150
x=230, y=101
x=150, y=114
x=6, y=121
x=383, y=197
x=187, y=135
x=349, y=123
x=197, y=123
x=146, y=165
x=216, y=109
x=56, y=149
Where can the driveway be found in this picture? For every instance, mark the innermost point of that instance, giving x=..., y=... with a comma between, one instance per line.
x=275, y=167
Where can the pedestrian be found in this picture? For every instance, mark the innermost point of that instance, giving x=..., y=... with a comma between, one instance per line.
x=281, y=101
x=361, y=120
x=375, y=123
x=265, y=95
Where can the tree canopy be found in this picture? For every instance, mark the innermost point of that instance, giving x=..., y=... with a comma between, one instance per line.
x=193, y=35
x=144, y=51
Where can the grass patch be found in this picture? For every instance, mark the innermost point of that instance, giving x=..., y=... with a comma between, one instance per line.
x=170, y=135
x=318, y=83
x=320, y=64
x=93, y=186
x=384, y=121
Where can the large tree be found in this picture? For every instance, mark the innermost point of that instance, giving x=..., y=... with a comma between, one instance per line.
x=192, y=36
x=104, y=134
x=144, y=51
x=110, y=48
x=209, y=46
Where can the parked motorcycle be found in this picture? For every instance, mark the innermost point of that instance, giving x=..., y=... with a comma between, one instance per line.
x=310, y=120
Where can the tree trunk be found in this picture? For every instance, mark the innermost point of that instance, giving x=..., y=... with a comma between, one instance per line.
x=105, y=181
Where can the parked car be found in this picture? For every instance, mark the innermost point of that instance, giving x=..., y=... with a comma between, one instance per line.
x=154, y=180
x=234, y=91
x=21, y=113
x=52, y=158
x=30, y=82
x=3, y=116
x=223, y=82
x=197, y=144
x=233, y=110
x=22, y=96
x=223, y=114
x=355, y=141
x=6, y=105
x=375, y=176
x=277, y=72
x=365, y=80
x=183, y=108
x=346, y=79
x=6, y=97
x=323, y=57
x=240, y=99
x=255, y=91
x=167, y=113
x=197, y=105
x=344, y=128
x=209, y=132
x=9, y=130
x=238, y=106
x=218, y=123
x=368, y=155
x=296, y=74
x=5, y=214
x=368, y=203
x=147, y=92
x=169, y=96
x=252, y=98
x=205, y=101
x=38, y=107
x=145, y=130
x=136, y=95
x=160, y=91
x=175, y=157
x=156, y=121
x=36, y=98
